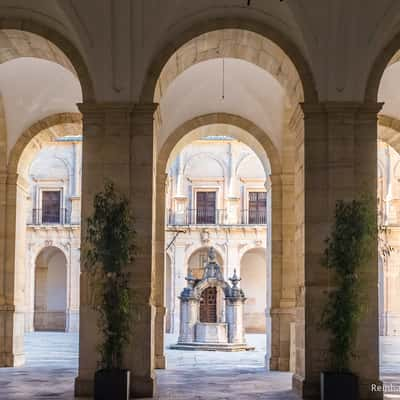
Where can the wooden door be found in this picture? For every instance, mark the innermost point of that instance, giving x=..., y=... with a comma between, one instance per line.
x=208, y=305
x=205, y=207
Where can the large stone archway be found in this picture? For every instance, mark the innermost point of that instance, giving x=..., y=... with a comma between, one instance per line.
x=24, y=38
x=14, y=192
x=125, y=141
x=287, y=188
x=27, y=38
x=283, y=49
x=280, y=232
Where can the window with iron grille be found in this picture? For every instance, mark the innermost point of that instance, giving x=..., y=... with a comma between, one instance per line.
x=51, y=206
x=205, y=207
x=257, y=207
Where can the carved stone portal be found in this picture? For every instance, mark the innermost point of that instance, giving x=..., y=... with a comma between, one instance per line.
x=201, y=326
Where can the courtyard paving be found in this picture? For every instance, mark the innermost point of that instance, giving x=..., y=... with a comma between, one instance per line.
x=52, y=360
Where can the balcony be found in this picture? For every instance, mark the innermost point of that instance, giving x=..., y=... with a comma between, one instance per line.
x=45, y=217
x=215, y=217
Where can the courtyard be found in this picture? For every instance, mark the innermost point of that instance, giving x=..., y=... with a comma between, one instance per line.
x=52, y=365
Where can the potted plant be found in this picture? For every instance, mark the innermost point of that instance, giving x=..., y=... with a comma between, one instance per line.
x=348, y=250
x=109, y=249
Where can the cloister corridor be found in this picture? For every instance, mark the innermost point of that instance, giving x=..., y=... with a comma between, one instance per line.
x=52, y=363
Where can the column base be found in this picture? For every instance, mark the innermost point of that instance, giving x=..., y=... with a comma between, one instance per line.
x=160, y=362
x=8, y=360
x=141, y=387
x=12, y=343
x=279, y=364
x=84, y=387
x=310, y=390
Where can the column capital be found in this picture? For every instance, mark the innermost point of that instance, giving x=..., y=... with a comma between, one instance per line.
x=340, y=109
x=105, y=107
x=144, y=108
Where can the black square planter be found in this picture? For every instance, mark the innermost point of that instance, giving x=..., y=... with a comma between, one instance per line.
x=111, y=384
x=335, y=386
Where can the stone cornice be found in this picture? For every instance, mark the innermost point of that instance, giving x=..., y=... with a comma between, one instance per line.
x=341, y=109
x=105, y=107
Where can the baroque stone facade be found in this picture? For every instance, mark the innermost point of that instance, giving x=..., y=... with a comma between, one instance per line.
x=233, y=178
x=53, y=237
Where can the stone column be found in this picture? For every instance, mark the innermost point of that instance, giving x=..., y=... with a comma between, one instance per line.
x=116, y=149
x=340, y=162
x=147, y=292
x=159, y=248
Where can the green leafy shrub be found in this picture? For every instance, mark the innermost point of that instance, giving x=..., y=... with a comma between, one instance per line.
x=349, y=248
x=110, y=247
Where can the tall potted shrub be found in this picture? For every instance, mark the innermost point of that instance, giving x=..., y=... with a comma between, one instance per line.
x=109, y=248
x=348, y=250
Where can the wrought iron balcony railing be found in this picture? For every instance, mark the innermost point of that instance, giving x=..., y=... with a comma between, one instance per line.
x=215, y=217
x=51, y=217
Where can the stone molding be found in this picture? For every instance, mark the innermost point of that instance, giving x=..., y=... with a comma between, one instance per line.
x=61, y=42
x=283, y=43
x=47, y=127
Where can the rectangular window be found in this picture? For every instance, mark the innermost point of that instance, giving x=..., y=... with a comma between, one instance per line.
x=51, y=206
x=257, y=207
x=205, y=211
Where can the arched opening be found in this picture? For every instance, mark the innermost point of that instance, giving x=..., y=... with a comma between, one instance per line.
x=382, y=85
x=389, y=251
x=50, y=299
x=42, y=77
x=254, y=283
x=226, y=75
x=198, y=260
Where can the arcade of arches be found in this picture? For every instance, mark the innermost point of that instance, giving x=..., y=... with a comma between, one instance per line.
x=309, y=86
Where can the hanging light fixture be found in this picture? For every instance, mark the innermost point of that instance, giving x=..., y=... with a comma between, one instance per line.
x=223, y=78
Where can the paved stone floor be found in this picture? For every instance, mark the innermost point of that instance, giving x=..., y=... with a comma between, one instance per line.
x=52, y=360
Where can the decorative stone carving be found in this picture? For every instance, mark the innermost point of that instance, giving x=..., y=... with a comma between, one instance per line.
x=200, y=325
x=205, y=236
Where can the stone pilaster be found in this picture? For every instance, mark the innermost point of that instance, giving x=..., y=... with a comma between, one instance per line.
x=12, y=300
x=340, y=161
x=148, y=299
x=282, y=302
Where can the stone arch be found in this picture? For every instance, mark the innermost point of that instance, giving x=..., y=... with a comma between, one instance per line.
x=389, y=131
x=16, y=190
x=55, y=47
x=43, y=319
x=45, y=130
x=44, y=246
x=208, y=155
x=243, y=160
x=263, y=146
x=193, y=249
x=257, y=291
x=248, y=248
x=276, y=38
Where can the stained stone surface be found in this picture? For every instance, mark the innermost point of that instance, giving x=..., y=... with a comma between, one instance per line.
x=52, y=362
